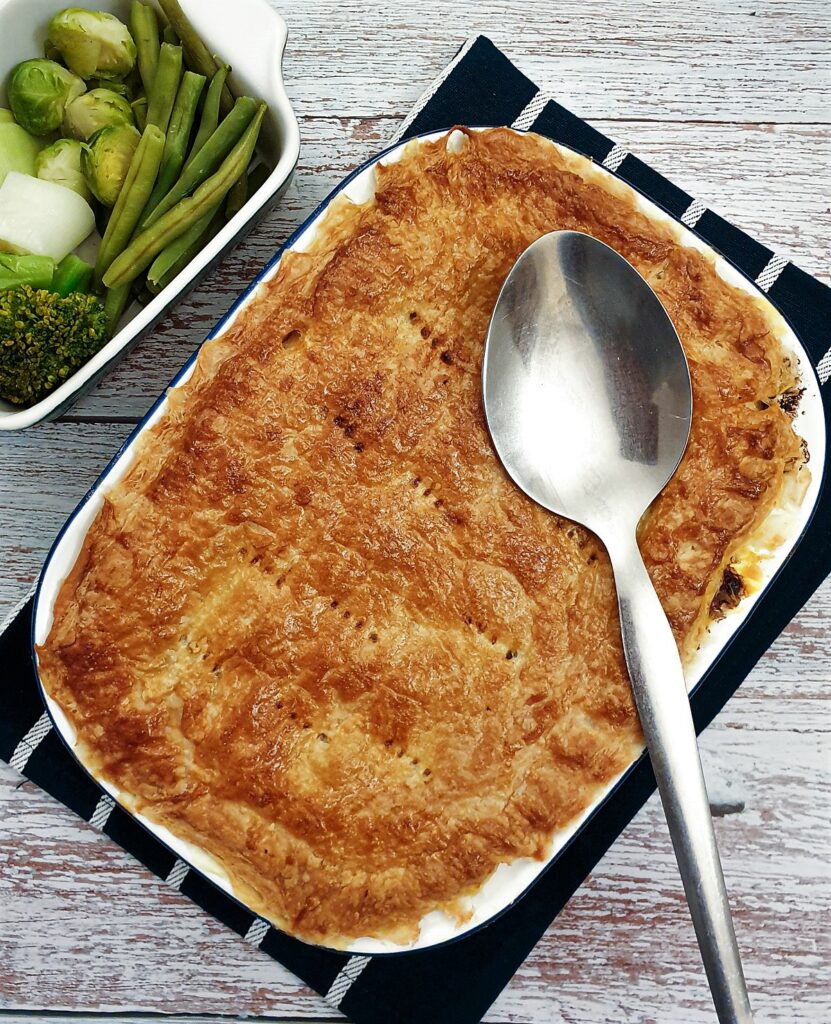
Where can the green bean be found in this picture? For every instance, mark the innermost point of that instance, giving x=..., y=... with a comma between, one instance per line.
x=209, y=121
x=257, y=178
x=209, y=157
x=200, y=56
x=115, y=302
x=237, y=197
x=178, y=133
x=169, y=35
x=192, y=251
x=140, y=112
x=180, y=252
x=144, y=26
x=149, y=243
x=165, y=86
x=132, y=199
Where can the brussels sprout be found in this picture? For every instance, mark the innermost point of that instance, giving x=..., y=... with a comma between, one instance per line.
x=105, y=160
x=6, y=116
x=39, y=90
x=61, y=163
x=18, y=149
x=96, y=109
x=124, y=88
x=93, y=44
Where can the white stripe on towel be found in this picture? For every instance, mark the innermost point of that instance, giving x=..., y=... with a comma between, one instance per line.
x=102, y=812
x=431, y=89
x=773, y=268
x=347, y=977
x=13, y=613
x=177, y=873
x=824, y=367
x=531, y=111
x=692, y=214
x=257, y=931
x=615, y=157
x=27, y=746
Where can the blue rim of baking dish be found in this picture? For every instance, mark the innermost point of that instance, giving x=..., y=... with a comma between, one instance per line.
x=140, y=426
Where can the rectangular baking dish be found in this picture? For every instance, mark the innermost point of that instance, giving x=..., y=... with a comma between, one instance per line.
x=251, y=36
x=509, y=881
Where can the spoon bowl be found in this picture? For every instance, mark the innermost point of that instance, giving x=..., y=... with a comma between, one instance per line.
x=588, y=400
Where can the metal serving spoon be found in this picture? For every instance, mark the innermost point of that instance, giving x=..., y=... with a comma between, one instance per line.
x=588, y=400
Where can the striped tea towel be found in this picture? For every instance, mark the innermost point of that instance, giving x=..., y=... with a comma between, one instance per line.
x=479, y=87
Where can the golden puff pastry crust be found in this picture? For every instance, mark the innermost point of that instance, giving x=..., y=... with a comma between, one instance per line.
x=317, y=632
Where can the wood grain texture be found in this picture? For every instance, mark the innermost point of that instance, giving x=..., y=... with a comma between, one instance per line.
x=731, y=99
x=746, y=60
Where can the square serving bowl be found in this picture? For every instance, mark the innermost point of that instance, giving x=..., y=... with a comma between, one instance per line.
x=250, y=36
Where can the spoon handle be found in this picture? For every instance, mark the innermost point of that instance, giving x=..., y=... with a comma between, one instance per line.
x=666, y=719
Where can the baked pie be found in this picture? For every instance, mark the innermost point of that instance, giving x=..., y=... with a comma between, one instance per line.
x=317, y=632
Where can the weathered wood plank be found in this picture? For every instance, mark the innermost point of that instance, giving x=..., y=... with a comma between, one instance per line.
x=773, y=181
x=150, y=1018
x=721, y=61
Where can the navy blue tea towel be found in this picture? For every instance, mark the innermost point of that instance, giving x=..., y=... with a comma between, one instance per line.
x=479, y=87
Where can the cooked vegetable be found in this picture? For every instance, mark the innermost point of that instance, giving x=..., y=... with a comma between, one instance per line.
x=124, y=88
x=150, y=242
x=165, y=86
x=161, y=196
x=200, y=57
x=44, y=338
x=95, y=109
x=61, y=164
x=72, y=274
x=132, y=199
x=39, y=91
x=106, y=159
x=237, y=197
x=145, y=28
x=178, y=254
x=139, y=108
x=178, y=134
x=209, y=157
x=93, y=44
x=257, y=178
x=209, y=120
x=41, y=218
x=18, y=150
x=35, y=271
x=115, y=302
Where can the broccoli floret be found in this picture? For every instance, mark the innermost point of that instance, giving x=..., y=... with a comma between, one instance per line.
x=44, y=338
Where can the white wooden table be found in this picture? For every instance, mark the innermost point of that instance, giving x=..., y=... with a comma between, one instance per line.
x=733, y=99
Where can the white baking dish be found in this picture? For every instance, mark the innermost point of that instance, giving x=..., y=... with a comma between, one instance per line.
x=250, y=36
x=509, y=881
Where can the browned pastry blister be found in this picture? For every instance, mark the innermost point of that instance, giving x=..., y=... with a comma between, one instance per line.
x=317, y=632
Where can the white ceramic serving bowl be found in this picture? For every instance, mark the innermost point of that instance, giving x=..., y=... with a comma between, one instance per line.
x=509, y=881
x=251, y=37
